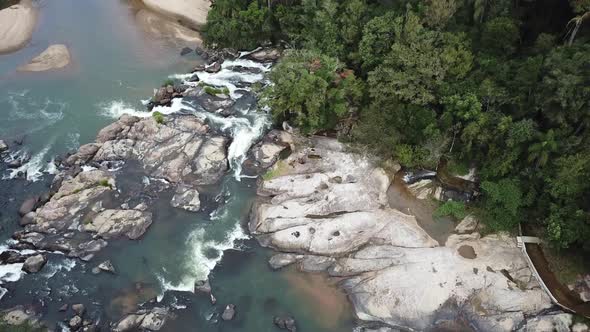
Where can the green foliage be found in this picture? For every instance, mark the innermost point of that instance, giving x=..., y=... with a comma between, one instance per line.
x=216, y=91
x=312, y=90
x=167, y=82
x=241, y=24
x=105, y=183
x=501, y=204
x=500, y=36
x=158, y=117
x=476, y=82
x=451, y=208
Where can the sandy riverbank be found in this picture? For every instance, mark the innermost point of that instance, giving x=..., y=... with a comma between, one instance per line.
x=192, y=13
x=16, y=26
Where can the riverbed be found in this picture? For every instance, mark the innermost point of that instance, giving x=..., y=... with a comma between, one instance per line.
x=116, y=65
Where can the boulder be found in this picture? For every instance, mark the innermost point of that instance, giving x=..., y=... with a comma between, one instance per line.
x=116, y=223
x=16, y=26
x=54, y=57
x=3, y=146
x=28, y=205
x=34, y=263
x=186, y=198
x=185, y=51
x=281, y=260
x=129, y=322
x=75, y=322
x=28, y=219
x=213, y=68
x=467, y=225
x=229, y=312
x=285, y=323
x=18, y=316
x=265, y=55
x=155, y=319
x=107, y=266
x=12, y=257
x=203, y=286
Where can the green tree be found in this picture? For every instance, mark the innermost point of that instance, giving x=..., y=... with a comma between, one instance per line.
x=312, y=90
x=544, y=146
x=501, y=204
x=500, y=36
x=378, y=36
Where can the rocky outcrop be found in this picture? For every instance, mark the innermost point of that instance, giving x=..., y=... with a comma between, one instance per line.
x=326, y=210
x=54, y=57
x=19, y=316
x=34, y=264
x=151, y=320
x=192, y=13
x=267, y=152
x=186, y=198
x=16, y=26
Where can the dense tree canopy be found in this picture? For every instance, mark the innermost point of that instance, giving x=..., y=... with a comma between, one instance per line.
x=503, y=85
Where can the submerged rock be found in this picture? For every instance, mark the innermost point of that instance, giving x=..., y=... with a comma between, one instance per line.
x=285, y=323
x=203, y=286
x=229, y=312
x=54, y=57
x=34, y=264
x=186, y=198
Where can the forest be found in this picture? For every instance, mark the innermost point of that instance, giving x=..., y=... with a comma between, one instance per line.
x=499, y=85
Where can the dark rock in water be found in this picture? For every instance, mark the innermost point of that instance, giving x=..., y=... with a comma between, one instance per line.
x=28, y=219
x=63, y=308
x=198, y=69
x=11, y=257
x=194, y=78
x=75, y=323
x=214, y=68
x=285, y=323
x=15, y=163
x=185, y=51
x=19, y=140
x=203, y=286
x=34, y=264
x=78, y=309
x=213, y=299
x=229, y=312
x=44, y=198
x=3, y=146
x=106, y=266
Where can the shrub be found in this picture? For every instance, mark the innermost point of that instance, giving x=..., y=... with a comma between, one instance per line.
x=159, y=117
x=216, y=91
x=451, y=208
x=105, y=183
x=168, y=81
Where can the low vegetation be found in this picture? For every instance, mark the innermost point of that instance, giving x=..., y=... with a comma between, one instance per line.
x=158, y=117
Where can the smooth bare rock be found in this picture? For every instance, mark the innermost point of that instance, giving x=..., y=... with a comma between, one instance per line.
x=467, y=225
x=179, y=151
x=265, y=55
x=155, y=319
x=78, y=309
x=16, y=26
x=54, y=57
x=160, y=27
x=192, y=13
x=75, y=322
x=186, y=198
x=580, y=327
x=34, y=264
x=422, y=189
x=107, y=266
x=129, y=323
x=582, y=286
x=84, y=154
x=18, y=316
x=116, y=223
x=427, y=278
x=560, y=322
x=281, y=260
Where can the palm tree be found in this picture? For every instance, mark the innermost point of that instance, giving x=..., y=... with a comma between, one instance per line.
x=541, y=150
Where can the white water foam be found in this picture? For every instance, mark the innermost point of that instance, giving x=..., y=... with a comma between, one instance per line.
x=53, y=267
x=34, y=168
x=197, y=260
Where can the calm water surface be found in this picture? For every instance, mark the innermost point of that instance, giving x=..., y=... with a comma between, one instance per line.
x=114, y=66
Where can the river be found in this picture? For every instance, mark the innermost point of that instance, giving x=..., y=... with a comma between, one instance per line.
x=115, y=65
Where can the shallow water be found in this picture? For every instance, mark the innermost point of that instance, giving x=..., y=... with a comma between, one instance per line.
x=115, y=65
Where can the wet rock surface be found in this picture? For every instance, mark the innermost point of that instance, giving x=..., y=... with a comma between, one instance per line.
x=325, y=209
